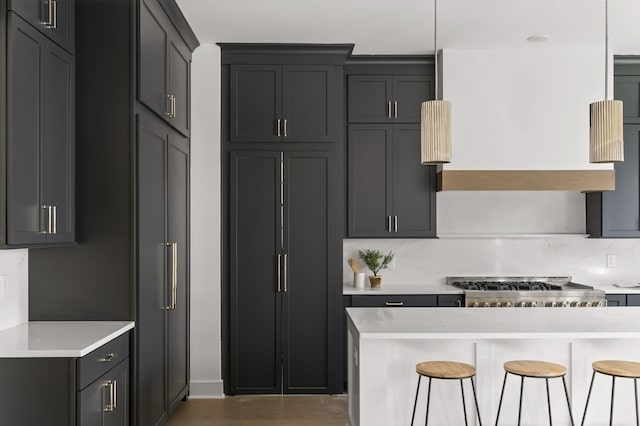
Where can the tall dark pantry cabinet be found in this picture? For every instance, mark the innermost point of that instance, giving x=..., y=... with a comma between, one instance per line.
x=283, y=134
x=132, y=195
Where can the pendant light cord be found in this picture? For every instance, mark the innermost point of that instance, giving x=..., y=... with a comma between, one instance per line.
x=435, y=42
x=606, y=50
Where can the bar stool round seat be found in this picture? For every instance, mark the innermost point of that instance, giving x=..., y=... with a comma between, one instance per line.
x=536, y=370
x=446, y=370
x=615, y=368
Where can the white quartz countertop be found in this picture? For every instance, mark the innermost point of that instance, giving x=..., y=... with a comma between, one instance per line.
x=503, y=323
x=59, y=339
x=348, y=289
x=628, y=288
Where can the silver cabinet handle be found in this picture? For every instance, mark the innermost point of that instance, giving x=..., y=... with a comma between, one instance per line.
x=167, y=106
x=285, y=128
x=278, y=127
x=285, y=273
x=388, y=223
x=52, y=14
x=278, y=272
x=389, y=109
x=459, y=303
x=395, y=109
x=173, y=106
x=394, y=303
x=174, y=276
x=55, y=219
x=114, y=404
x=110, y=385
x=108, y=358
x=46, y=220
x=395, y=224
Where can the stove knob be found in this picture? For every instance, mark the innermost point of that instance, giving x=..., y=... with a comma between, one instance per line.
x=495, y=304
x=584, y=304
x=573, y=304
x=561, y=304
x=530, y=304
x=474, y=304
x=485, y=304
x=597, y=304
x=550, y=304
x=506, y=304
x=519, y=304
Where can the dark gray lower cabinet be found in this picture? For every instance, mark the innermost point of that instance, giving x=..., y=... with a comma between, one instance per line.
x=633, y=299
x=616, y=300
x=105, y=402
x=281, y=237
x=163, y=196
x=390, y=193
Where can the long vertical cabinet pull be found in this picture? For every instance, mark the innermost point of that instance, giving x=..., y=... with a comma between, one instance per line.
x=278, y=272
x=174, y=276
x=286, y=267
x=55, y=219
x=110, y=386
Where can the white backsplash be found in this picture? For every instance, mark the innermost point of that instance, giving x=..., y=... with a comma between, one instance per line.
x=14, y=307
x=430, y=261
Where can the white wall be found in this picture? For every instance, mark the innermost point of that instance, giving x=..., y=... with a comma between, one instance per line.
x=206, y=378
x=14, y=268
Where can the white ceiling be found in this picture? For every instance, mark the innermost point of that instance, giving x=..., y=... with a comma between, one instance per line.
x=406, y=26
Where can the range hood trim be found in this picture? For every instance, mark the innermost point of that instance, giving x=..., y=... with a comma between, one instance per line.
x=526, y=180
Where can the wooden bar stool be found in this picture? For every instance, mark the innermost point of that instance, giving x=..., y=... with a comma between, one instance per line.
x=537, y=370
x=625, y=369
x=447, y=370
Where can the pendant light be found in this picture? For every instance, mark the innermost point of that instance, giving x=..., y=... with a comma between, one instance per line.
x=606, y=128
x=435, y=118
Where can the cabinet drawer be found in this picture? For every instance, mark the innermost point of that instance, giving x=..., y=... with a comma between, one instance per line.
x=394, y=301
x=98, y=362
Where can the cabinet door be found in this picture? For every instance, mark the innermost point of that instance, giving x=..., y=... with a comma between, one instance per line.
x=106, y=401
x=409, y=91
x=307, y=320
x=621, y=208
x=24, y=133
x=616, y=300
x=370, y=99
x=178, y=234
x=307, y=103
x=55, y=19
x=369, y=174
x=179, y=83
x=256, y=103
x=414, y=186
x=58, y=142
x=153, y=294
x=451, y=300
x=255, y=301
x=633, y=299
x=152, y=58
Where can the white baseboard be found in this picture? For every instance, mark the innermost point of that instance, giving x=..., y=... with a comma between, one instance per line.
x=206, y=390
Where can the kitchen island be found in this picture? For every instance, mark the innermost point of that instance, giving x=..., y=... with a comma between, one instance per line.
x=385, y=344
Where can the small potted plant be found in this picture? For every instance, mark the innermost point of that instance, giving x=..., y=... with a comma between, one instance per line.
x=375, y=261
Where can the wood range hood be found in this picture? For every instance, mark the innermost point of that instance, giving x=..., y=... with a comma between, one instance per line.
x=520, y=120
x=526, y=180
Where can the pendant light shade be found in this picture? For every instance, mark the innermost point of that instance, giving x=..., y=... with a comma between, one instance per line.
x=435, y=132
x=606, y=133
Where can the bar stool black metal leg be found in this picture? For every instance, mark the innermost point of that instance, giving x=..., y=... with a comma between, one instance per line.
x=426, y=417
x=464, y=406
x=613, y=389
x=548, y=402
x=504, y=382
x=566, y=393
x=520, y=404
x=586, y=405
x=415, y=403
x=635, y=389
x=475, y=399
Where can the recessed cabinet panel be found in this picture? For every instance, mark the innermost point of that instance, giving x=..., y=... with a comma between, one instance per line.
x=306, y=316
x=409, y=93
x=178, y=234
x=627, y=90
x=255, y=273
x=308, y=103
x=152, y=73
x=370, y=99
x=414, y=185
x=256, y=103
x=53, y=18
x=369, y=180
x=179, y=63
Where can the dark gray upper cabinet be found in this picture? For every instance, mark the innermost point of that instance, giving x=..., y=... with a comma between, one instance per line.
x=390, y=193
x=288, y=103
x=53, y=18
x=387, y=98
x=164, y=63
x=616, y=214
x=40, y=138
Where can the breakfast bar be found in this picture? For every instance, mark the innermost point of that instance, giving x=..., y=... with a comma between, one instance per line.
x=385, y=344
